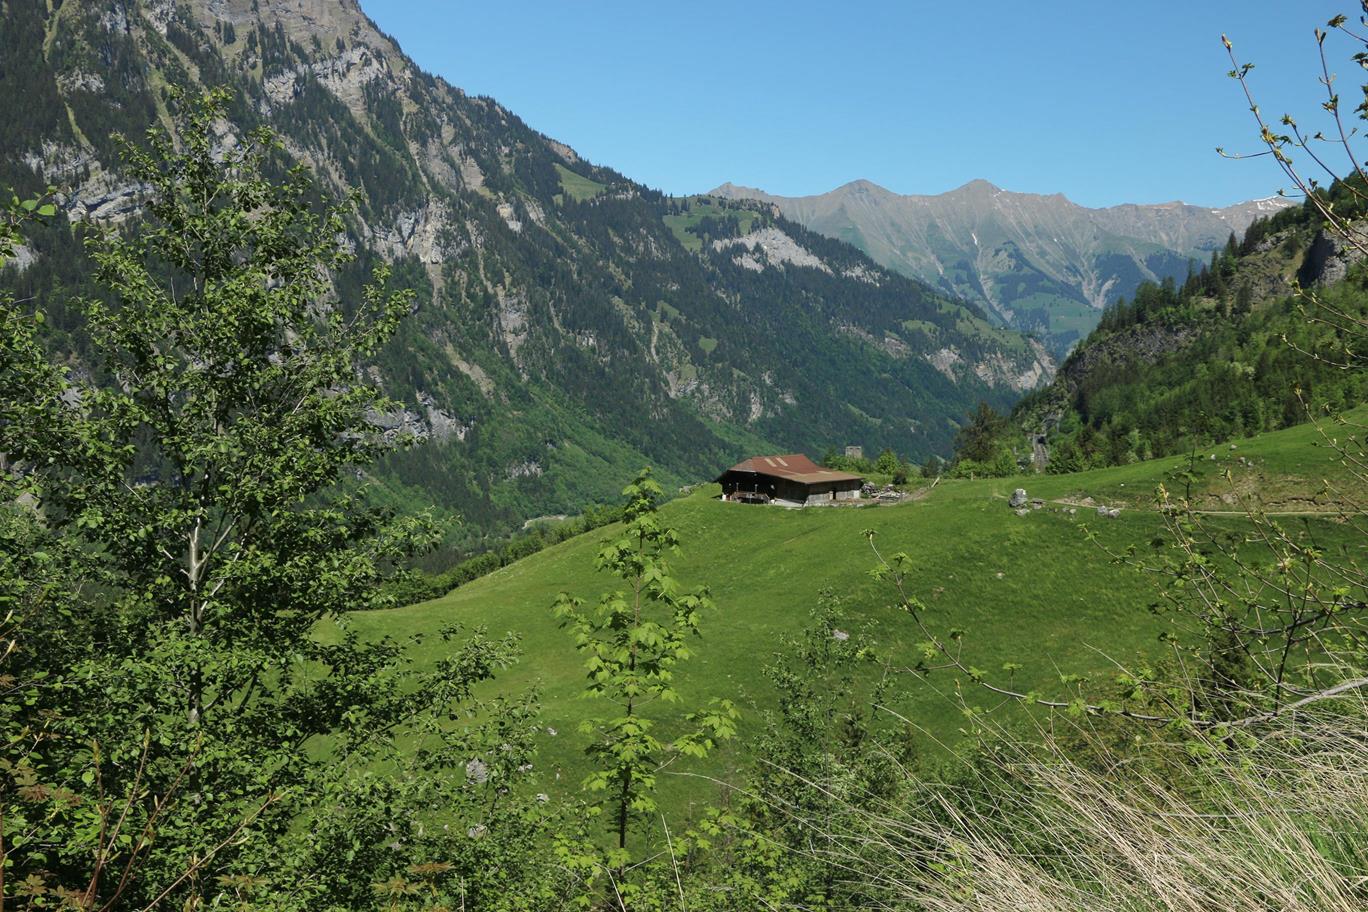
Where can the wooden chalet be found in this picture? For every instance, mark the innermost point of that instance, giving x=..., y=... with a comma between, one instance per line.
x=792, y=479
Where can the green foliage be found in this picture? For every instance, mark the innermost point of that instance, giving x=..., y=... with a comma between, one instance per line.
x=977, y=439
x=188, y=737
x=1213, y=358
x=843, y=463
x=980, y=448
x=892, y=467
x=1239, y=376
x=634, y=639
x=887, y=463
x=829, y=755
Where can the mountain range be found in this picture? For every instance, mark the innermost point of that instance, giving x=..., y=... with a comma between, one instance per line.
x=571, y=324
x=1040, y=264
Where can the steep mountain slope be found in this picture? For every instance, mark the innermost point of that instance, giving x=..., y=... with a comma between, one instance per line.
x=1039, y=263
x=571, y=324
x=1225, y=354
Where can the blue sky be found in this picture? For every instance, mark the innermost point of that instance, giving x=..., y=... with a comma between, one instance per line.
x=1106, y=102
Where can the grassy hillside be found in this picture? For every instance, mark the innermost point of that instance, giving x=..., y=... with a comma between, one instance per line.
x=685, y=224
x=1030, y=589
x=578, y=186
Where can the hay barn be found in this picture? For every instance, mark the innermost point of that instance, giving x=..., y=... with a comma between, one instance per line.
x=792, y=479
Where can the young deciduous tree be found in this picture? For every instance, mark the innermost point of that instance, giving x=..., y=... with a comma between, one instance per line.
x=634, y=639
x=887, y=463
x=826, y=756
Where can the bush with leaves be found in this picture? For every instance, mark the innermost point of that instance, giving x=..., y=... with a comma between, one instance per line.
x=826, y=755
x=203, y=728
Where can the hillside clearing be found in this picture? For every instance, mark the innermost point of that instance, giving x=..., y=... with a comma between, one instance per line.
x=577, y=186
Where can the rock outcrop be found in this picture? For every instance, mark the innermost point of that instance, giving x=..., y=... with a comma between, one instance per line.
x=771, y=247
x=1330, y=256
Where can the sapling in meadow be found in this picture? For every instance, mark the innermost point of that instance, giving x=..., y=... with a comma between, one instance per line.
x=634, y=639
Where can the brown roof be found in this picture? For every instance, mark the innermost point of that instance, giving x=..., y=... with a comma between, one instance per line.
x=794, y=466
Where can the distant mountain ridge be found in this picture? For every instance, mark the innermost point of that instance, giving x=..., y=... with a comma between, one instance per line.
x=1041, y=264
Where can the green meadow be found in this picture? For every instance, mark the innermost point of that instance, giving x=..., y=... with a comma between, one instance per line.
x=579, y=187
x=1033, y=590
x=701, y=207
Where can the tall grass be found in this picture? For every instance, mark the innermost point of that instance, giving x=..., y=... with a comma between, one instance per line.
x=1277, y=825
